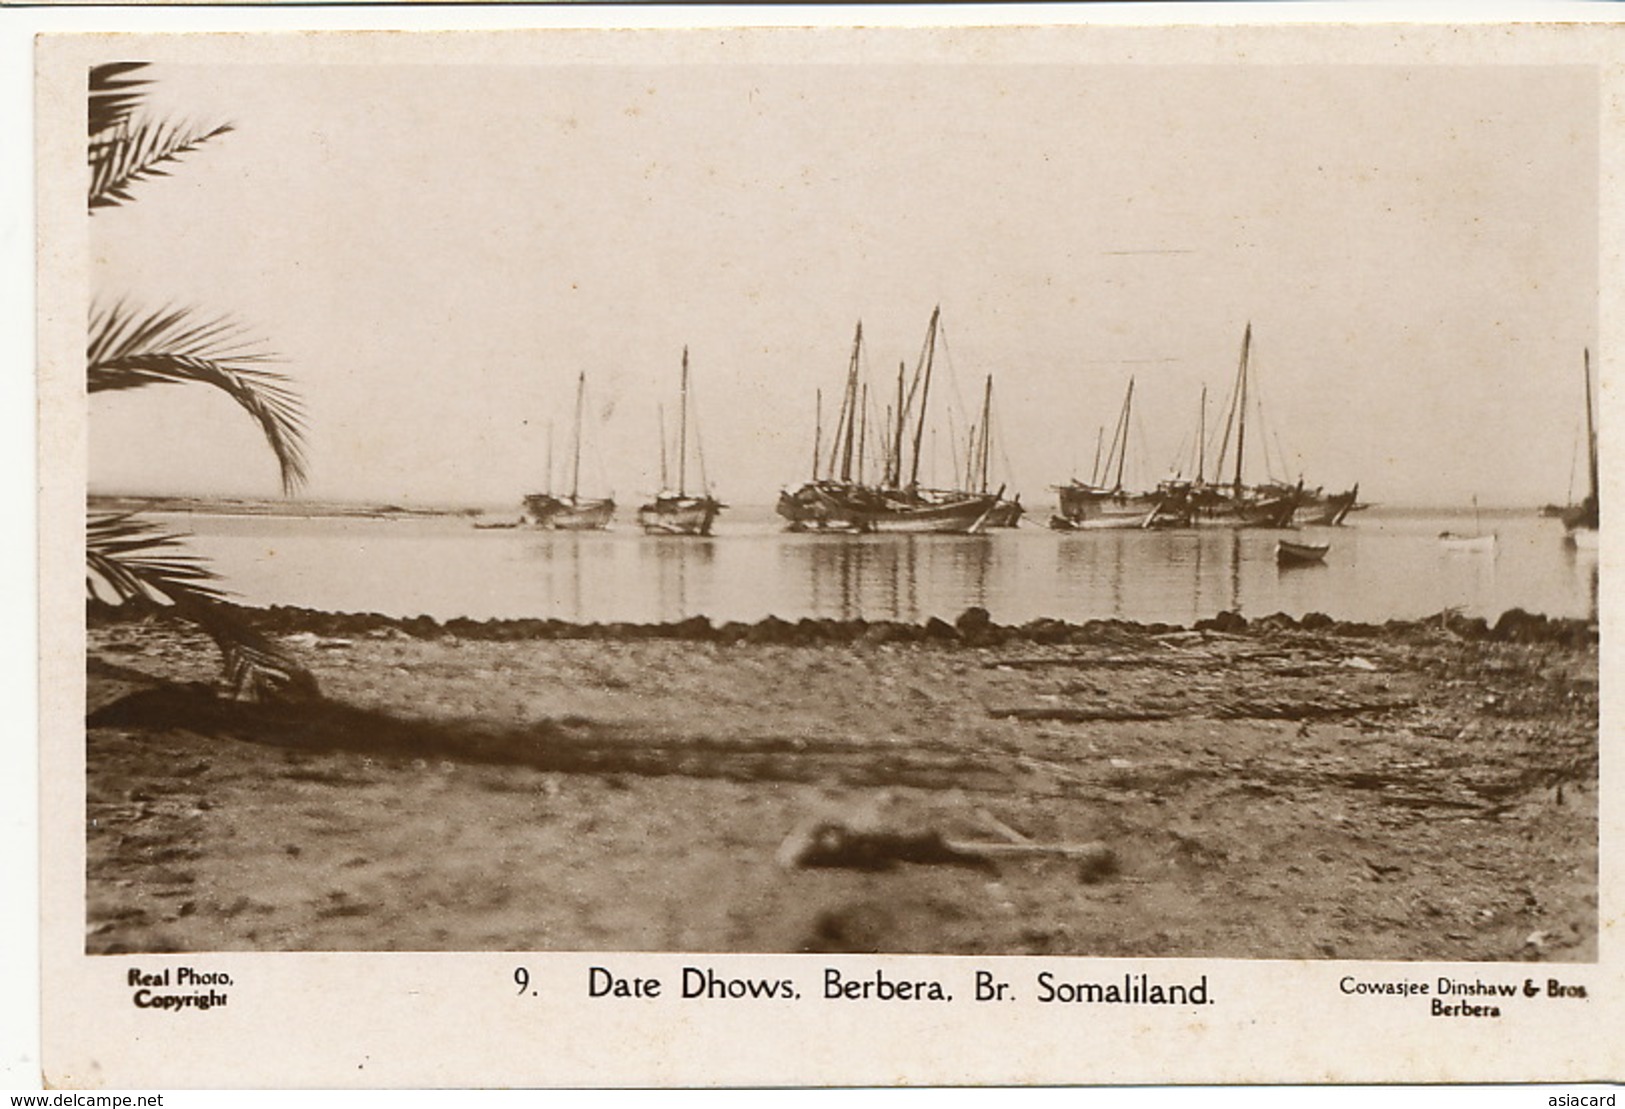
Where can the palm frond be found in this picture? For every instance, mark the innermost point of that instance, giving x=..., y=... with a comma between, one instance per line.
x=114, y=94
x=128, y=349
x=137, y=561
x=133, y=153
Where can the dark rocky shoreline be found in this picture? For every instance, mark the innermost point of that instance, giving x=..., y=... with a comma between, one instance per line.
x=973, y=628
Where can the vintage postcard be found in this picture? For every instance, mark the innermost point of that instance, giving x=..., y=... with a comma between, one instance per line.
x=808, y=556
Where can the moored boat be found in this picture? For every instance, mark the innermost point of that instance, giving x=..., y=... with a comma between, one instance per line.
x=817, y=504
x=1317, y=508
x=1232, y=504
x=1006, y=513
x=572, y=511
x=1477, y=541
x=946, y=512
x=679, y=512
x=1470, y=544
x=1096, y=506
x=1290, y=552
x=838, y=498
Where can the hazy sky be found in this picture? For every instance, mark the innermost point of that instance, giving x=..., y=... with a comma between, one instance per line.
x=437, y=251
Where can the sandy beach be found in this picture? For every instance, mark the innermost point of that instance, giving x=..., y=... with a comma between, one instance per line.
x=1273, y=789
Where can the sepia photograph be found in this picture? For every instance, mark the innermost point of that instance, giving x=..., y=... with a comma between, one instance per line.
x=836, y=492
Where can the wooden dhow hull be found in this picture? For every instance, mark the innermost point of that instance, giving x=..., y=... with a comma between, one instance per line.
x=1325, y=509
x=676, y=515
x=1225, y=507
x=810, y=507
x=906, y=512
x=569, y=514
x=1090, y=508
x=1106, y=522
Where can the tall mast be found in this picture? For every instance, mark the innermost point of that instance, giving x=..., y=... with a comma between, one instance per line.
x=1591, y=433
x=818, y=428
x=849, y=405
x=682, y=432
x=863, y=427
x=575, y=466
x=1241, y=405
x=660, y=413
x=1122, y=451
x=987, y=427
x=894, y=474
x=1201, y=437
x=925, y=394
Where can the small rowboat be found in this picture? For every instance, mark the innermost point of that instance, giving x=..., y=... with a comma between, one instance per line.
x=1479, y=541
x=1454, y=541
x=1288, y=553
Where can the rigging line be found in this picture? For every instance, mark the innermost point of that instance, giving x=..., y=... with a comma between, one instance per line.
x=549, y=489
x=1211, y=455
x=1574, y=458
x=955, y=398
x=953, y=440
x=955, y=402
x=699, y=456
x=599, y=469
x=1280, y=456
x=1229, y=424
x=1001, y=440
x=1183, y=454
x=1142, y=453
x=660, y=419
x=1271, y=432
x=1266, y=430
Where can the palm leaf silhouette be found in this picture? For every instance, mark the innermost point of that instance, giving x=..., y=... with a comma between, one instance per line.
x=128, y=349
x=138, y=153
x=123, y=151
x=136, y=561
x=133, y=560
x=114, y=94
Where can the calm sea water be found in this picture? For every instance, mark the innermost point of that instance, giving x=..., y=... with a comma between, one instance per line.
x=1388, y=564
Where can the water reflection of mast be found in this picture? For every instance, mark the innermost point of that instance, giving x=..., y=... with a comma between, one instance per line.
x=983, y=547
x=1594, y=612
x=1196, y=582
x=1575, y=558
x=908, y=575
x=571, y=557
x=1117, y=573
x=849, y=574
x=672, y=575
x=971, y=558
x=1235, y=569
